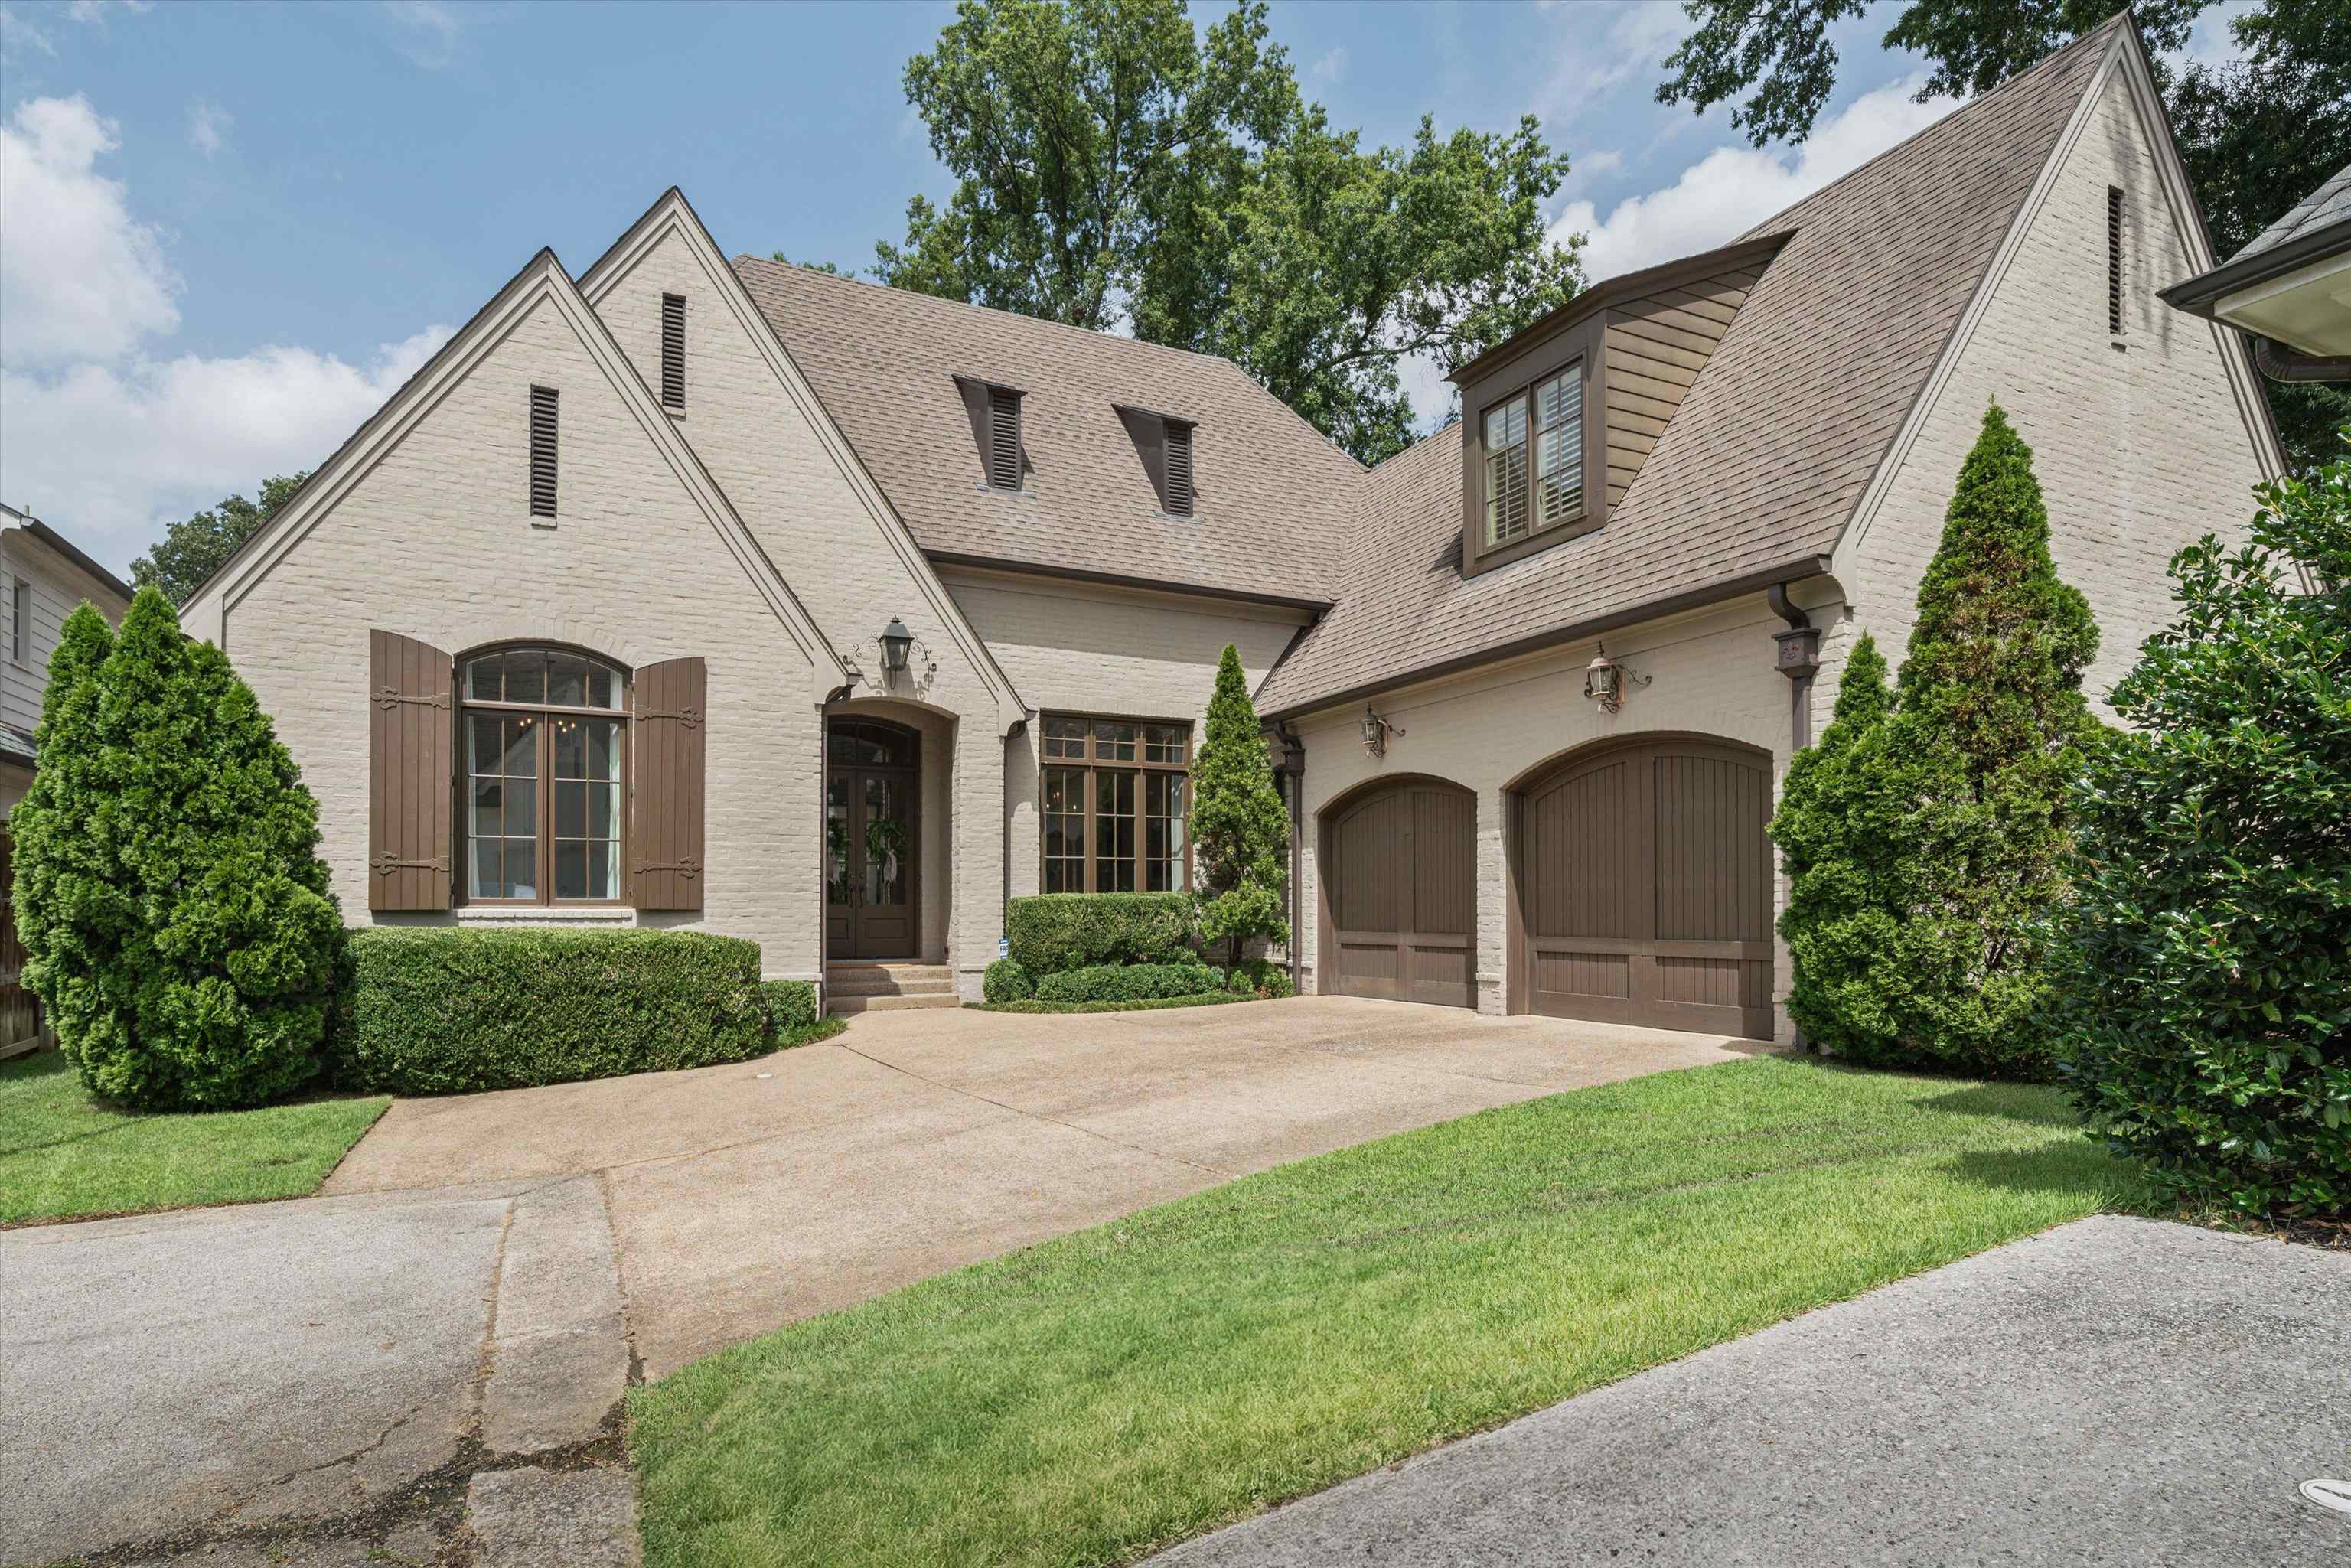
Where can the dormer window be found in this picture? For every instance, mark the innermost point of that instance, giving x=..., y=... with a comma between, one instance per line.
x=1548, y=415
x=1165, y=443
x=995, y=411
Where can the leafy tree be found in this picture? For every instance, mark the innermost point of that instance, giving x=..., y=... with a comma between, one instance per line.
x=1915, y=943
x=2205, y=954
x=1240, y=829
x=2256, y=137
x=176, y=918
x=1116, y=169
x=194, y=548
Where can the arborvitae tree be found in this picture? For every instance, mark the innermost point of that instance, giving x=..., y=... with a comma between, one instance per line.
x=1955, y=803
x=1239, y=830
x=2205, y=959
x=177, y=920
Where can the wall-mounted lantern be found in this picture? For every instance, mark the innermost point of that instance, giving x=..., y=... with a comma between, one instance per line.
x=1605, y=681
x=895, y=641
x=1376, y=731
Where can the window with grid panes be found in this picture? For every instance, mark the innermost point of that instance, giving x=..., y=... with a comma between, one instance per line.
x=545, y=730
x=1112, y=794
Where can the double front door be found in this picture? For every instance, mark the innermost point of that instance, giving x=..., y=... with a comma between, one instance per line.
x=870, y=841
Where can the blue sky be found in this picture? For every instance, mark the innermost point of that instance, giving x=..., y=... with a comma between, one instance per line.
x=227, y=230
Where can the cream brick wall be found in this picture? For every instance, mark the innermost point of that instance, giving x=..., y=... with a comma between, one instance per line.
x=435, y=542
x=1711, y=673
x=849, y=563
x=2139, y=441
x=1080, y=648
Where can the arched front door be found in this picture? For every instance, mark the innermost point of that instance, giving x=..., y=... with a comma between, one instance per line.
x=872, y=790
x=1645, y=887
x=1399, y=894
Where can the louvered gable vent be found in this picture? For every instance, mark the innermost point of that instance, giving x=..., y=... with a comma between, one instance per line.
x=2115, y=260
x=542, y=452
x=1003, y=455
x=1179, y=468
x=674, y=350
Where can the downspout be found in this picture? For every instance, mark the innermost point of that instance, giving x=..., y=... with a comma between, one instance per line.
x=1798, y=657
x=1292, y=768
x=824, y=870
x=1004, y=834
x=2281, y=363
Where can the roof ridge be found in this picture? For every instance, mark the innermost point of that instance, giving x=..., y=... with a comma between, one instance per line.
x=2012, y=84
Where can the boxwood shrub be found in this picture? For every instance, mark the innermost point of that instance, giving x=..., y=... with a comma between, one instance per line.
x=1007, y=981
x=791, y=1005
x=442, y=1012
x=1055, y=931
x=1260, y=977
x=1129, y=982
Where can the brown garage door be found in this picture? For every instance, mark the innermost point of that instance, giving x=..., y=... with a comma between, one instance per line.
x=1399, y=894
x=1644, y=888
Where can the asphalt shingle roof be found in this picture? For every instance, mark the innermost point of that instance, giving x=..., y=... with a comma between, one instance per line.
x=2330, y=203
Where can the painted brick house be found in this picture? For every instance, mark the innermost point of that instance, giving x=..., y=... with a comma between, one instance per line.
x=735, y=595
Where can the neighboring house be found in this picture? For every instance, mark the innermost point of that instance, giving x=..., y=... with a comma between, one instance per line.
x=46, y=575
x=748, y=598
x=2292, y=284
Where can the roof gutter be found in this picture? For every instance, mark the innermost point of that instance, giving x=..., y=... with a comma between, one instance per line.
x=2281, y=363
x=1116, y=579
x=74, y=553
x=2199, y=294
x=1795, y=570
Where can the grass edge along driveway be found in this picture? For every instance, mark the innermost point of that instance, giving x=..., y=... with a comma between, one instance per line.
x=1093, y=1398
x=64, y=1155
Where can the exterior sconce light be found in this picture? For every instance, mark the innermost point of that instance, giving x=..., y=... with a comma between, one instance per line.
x=895, y=641
x=1605, y=680
x=1376, y=729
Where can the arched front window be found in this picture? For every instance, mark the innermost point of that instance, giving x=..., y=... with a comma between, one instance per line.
x=545, y=733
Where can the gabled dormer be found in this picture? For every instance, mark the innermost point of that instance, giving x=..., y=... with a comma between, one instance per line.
x=1557, y=422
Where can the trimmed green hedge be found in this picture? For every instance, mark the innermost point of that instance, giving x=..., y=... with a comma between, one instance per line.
x=1007, y=981
x=1129, y=982
x=791, y=1004
x=442, y=1011
x=1056, y=931
x=1147, y=1004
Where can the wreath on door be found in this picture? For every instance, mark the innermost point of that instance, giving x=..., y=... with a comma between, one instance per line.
x=885, y=840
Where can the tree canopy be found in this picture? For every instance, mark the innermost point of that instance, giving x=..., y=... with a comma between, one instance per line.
x=194, y=548
x=1118, y=171
x=2257, y=136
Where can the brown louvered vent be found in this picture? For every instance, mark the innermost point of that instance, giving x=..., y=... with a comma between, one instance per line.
x=1003, y=438
x=2114, y=259
x=1179, y=469
x=674, y=350
x=542, y=452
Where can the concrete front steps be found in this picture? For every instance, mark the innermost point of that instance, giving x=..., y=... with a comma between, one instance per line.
x=885, y=988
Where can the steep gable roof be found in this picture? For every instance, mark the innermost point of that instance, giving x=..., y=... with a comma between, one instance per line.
x=1755, y=477
x=1274, y=499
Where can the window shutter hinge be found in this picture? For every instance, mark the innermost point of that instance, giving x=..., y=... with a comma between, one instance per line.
x=689, y=866
x=386, y=863
x=390, y=697
x=689, y=716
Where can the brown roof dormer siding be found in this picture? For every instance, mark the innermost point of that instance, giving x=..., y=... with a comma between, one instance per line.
x=1639, y=342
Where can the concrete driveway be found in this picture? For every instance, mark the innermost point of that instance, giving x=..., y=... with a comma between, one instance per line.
x=747, y=1196
x=2116, y=1391
x=319, y=1382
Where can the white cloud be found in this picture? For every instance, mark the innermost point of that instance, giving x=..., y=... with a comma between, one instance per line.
x=96, y=10
x=81, y=280
x=111, y=453
x=1425, y=384
x=428, y=31
x=100, y=437
x=1332, y=66
x=2211, y=44
x=208, y=126
x=1732, y=189
x=18, y=37
x=1588, y=63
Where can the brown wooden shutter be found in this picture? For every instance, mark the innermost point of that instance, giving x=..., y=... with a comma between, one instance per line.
x=1178, y=459
x=1004, y=438
x=411, y=777
x=665, y=862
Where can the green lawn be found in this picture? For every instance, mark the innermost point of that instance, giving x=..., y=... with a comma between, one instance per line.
x=64, y=1155
x=1086, y=1400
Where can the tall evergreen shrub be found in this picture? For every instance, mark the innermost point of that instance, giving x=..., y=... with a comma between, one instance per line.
x=1239, y=830
x=2205, y=960
x=176, y=918
x=1919, y=942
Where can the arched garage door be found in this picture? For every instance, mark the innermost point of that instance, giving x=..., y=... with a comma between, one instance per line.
x=1644, y=888
x=1400, y=894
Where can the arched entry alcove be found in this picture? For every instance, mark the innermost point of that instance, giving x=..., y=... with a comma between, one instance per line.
x=872, y=838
